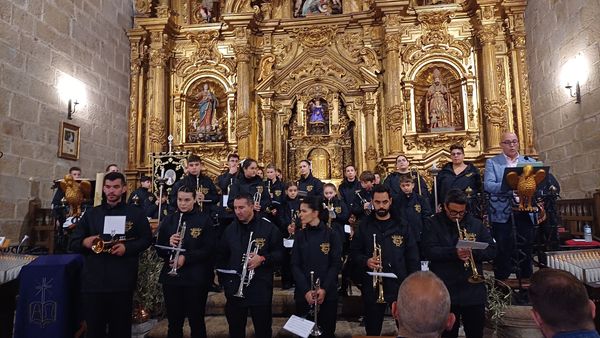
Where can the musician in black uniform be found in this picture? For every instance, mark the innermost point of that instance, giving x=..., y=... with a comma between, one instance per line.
x=349, y=186
x=392, y=182
x=185, y=293
x=339, y=214
x=108, y=279
x=206, y=192
x=399, y=255
x=274, y=186
x=448, y=262
x=225, y=180
x=362, y=199
x=458, y=174
x=317, y=248
x=411, y=207
x=257, y=296
x=308, y=185
x=249, y=183
x=289, y=222
x=142, y=197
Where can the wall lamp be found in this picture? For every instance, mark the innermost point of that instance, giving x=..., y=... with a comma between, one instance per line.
x=72, y=107
x=574, y=74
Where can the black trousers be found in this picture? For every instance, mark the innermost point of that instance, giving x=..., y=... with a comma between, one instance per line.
x=286, y=268
x=112, y=309
x=505, y=244
x=184, y=301
x=472, y=318
x=237, y=317
x=374, y=313
x=326, y=319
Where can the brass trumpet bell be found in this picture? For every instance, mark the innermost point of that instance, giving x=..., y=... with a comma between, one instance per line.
x=99, y=246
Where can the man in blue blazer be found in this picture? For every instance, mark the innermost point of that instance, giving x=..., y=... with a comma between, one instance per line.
x=500, y=211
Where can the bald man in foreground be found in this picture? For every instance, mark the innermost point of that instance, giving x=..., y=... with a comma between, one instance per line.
x=423, y=307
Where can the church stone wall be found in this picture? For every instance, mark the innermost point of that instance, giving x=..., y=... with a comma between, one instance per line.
x=40, y=40
x=566, y=134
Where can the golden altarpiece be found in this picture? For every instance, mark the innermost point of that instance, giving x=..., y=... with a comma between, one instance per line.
x=335, y=81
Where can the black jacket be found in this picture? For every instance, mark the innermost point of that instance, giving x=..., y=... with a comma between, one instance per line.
x=276, y=190
x=439, y=247
x=348, y=190
x=392, y=182
x=234, y=243
x=342, y=213
x=199, y=242
x=192, y=182
x=316, y=249
x=447, y=180
x=400, y=254
x=357, y=206
x=412, y=210
x=310, y=185
x=105, y=272
x=288, y=208
x=225, y=180
x=146, y=200
x=249, y=186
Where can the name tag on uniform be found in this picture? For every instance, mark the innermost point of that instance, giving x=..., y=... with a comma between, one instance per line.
x=114, y=225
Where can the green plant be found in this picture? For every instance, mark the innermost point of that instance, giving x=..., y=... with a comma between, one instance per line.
x=499, y=298
x=148, y=297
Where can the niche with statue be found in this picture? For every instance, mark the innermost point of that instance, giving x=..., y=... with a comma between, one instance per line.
x=206, y=112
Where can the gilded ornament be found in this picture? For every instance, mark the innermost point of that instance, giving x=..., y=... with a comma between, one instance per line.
x=243, y=127
x=143, y=6
x=156, y=133
x=316, y=37
x=371, y=154
x=266, y=66
x=206, y=47
x=394, y=116
x=494, y=113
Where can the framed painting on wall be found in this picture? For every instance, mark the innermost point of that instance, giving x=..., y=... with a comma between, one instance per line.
x=68, y=141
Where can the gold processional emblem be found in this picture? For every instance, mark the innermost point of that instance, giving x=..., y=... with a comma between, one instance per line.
x=260, y=242
x=338, y=210
x=128, y=226
x=469, y=175
x=397, y=240
x=325, y=248
x=309, y=188
x=418, y=208
x=277, y=193
x=195, y=232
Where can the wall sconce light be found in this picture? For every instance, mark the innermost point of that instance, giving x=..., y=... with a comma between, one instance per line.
x=574, y=74
x=72, y=107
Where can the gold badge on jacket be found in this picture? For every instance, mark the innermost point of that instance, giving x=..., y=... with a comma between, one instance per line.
x=397, y=240
x=277, y=193
x=260, y=242
x=325, y=248
x=338, y=210
x=259, y=189
x=204, y=190
x=309, y=188
x=418, y=208
x=128, y=226
x=195, y=232
x=151, y=198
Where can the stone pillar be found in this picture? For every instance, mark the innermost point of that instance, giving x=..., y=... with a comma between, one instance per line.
x=371, y=150
x=156, y=124
x=518, y=56
x=393, y=106
x=244, y=121
x=494, y=111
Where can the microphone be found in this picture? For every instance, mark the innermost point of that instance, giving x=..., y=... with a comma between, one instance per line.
x=21, y=243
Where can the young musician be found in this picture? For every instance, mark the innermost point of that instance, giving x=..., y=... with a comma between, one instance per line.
x=362, y=199
x=249, y=183
x=337, y=212
x=308, y=185
x=349, y=186
x=411, y=207
x=317, y=248
x=143, y=197
x=186, y=281
x=108, y=278
x=274, y=186
x=392, y=182
x=399, y=255
x=256, y=297
x=289, y=222
x=206, y=192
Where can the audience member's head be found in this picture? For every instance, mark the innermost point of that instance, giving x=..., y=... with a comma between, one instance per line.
x=75, y=172
x=112, y=168
x=423, y=306
x=560, y=302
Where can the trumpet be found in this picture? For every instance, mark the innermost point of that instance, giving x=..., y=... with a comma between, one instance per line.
x=199, y=189
x=100, y=246
x=314, y=287
x=177, y=249
x=246, y=276
x=464, y=235
x=293, y=221
x=378, y=280
x=257, y=197
x=363, y=201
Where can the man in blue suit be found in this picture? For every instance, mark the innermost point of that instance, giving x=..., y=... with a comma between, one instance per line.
x=500, y=211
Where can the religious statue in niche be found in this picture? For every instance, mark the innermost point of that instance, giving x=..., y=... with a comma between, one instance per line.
x=205, y=124
x=317, y=113
x=304, y=8
x=438, y=104
x=205, y=10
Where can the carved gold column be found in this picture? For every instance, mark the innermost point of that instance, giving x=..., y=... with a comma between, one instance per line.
x=244, y=120
x=371, y=150
x=134, y=100
x=494, y=111
x=156, y=124
x=516, y=21
x=393, y=106
x=268, y=139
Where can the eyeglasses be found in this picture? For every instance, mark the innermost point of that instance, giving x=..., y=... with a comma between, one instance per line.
x=510, y=142
x=457, y=213
x=456, y=154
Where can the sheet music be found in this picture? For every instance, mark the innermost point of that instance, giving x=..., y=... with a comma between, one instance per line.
x=347, y=228
x=225, y=200
x=114, y=225
x=382, y=274
x=228, y=272
x=288, y=243
x=299, y=326
x=462, y=244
